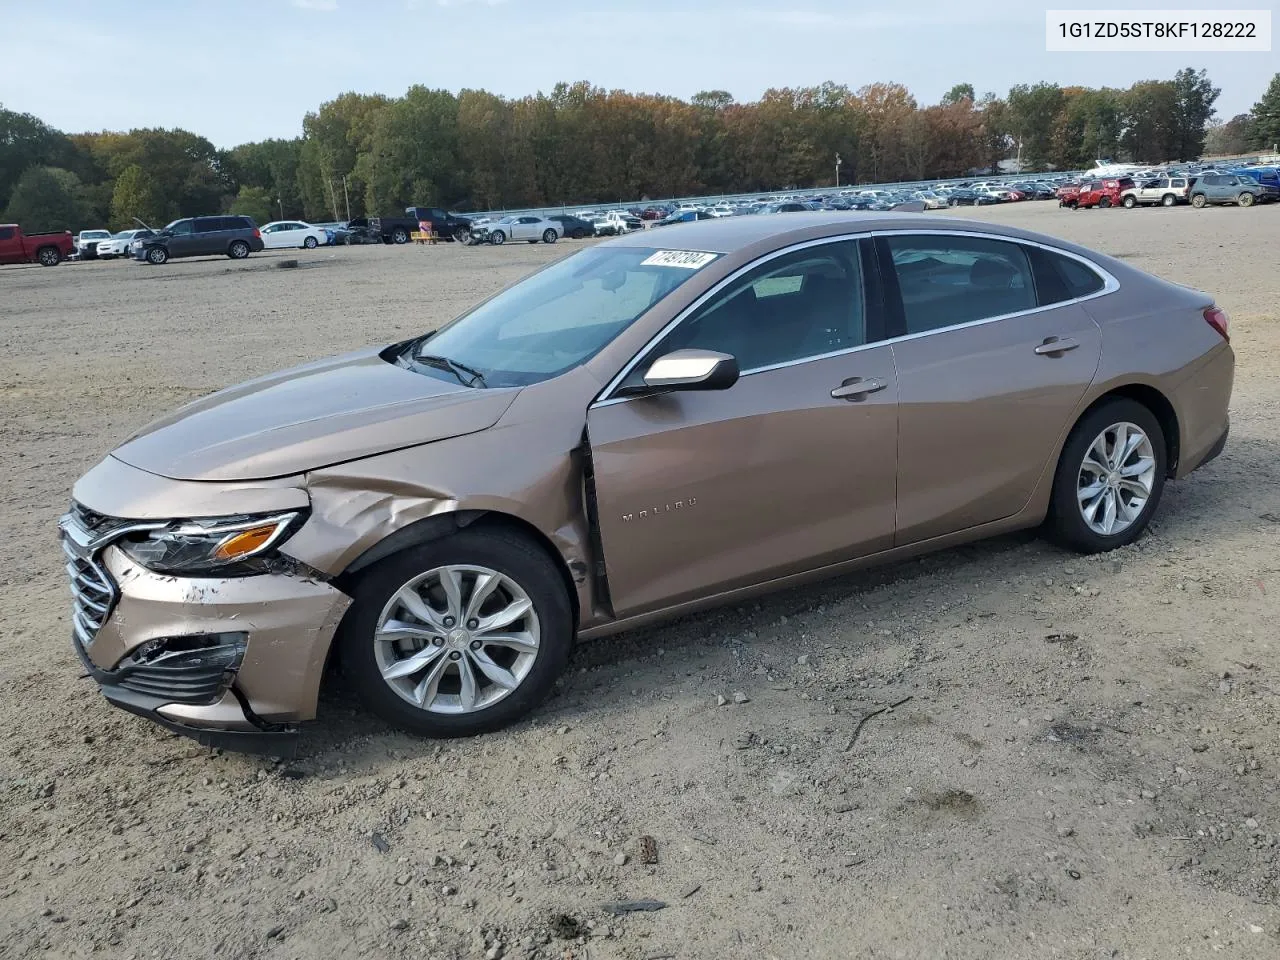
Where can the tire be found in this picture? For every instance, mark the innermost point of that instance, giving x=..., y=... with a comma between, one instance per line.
x=1198, y=201
x=531, y=241
x=497, y=238
x=1130, y=203
x=1104, y=203
x=1066, y=522
x=578, y=234
x=549, y=236
x=549, y=619
x=157, y=255
x=238, y=250
x=1168, y=200
x=311, y=243
x=49, y=256
x=1245, y=200
x=399, y=235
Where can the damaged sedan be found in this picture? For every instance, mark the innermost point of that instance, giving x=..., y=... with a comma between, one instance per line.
x=642, y=429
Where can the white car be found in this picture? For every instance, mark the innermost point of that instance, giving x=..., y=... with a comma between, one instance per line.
x=86, y=242
x=292, y=233
x=118, y=245
x=527, y=227
x=623, y=221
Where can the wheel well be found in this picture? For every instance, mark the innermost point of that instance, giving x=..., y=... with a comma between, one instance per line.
x=438, y=527
x=1161, y=408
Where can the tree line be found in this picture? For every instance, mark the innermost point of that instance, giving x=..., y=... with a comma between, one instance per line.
x=368, y=154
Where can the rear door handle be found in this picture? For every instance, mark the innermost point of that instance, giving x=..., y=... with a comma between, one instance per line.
x=855, y=388
x=1055, y=345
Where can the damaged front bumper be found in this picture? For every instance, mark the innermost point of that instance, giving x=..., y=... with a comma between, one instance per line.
x=234, y=662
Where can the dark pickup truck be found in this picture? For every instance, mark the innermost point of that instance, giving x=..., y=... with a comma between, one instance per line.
x=46, y=249
x=445, y=225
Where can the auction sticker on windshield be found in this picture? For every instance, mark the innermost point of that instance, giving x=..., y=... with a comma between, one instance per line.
x=688, y=259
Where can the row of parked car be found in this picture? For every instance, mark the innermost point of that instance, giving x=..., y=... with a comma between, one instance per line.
x=1243, y=187
x=234, y=236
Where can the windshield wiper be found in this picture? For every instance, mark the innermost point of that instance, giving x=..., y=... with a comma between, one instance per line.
x=467, y=376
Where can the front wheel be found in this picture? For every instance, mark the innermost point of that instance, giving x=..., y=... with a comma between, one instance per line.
x=311, y=243
x=1245, y=199
x=1198, y=201
x=157, y=255
x=49, y=256
x=1109, y=478
x=1130, y=203
x=238, y=250
x=497, y=238
x=1104, y=203
x=1168, y=200
x=549, y=236
x=458, y=636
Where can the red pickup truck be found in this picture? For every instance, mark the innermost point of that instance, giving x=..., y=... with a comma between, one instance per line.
x=46, y=249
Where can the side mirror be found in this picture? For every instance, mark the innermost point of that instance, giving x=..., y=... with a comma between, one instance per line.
x=692, y=369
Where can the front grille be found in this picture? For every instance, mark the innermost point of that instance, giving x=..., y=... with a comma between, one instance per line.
x=93, y=594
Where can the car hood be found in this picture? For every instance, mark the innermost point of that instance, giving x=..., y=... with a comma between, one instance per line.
x=309, y=417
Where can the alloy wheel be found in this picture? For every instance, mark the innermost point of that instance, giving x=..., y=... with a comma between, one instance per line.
x=457, y=639
x=1116, y=479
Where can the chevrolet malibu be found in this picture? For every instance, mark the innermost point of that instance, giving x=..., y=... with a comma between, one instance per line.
x=639, y=430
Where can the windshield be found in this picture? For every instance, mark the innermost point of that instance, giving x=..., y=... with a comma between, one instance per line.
x=561, y=316
x=96, y=234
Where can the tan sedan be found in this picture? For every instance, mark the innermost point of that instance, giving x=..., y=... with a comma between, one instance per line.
x=650, y=426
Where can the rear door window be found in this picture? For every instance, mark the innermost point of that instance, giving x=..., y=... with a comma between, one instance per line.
x=946, y=279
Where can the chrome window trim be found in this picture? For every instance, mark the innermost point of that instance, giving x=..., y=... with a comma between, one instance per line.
x=1109, y=285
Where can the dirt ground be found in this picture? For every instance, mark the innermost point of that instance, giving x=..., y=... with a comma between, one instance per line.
x=1086, y=767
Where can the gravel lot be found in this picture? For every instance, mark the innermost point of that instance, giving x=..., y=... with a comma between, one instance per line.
x=1086, y=766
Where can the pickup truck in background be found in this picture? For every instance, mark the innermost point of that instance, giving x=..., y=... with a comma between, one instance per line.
x=46, y=249
x=445, y=225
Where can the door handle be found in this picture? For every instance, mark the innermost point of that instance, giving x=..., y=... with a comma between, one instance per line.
x=1056, y=345
x=855, y=388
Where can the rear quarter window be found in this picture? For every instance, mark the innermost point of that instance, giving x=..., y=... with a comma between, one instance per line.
x=1060, y=278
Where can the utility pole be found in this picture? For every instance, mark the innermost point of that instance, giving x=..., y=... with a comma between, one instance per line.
x=347, y=197
x=281, y=203
x=838, y=162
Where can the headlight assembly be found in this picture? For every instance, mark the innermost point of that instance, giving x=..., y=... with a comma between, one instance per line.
x=225, y=546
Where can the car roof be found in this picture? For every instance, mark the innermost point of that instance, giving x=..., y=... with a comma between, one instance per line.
x=731, y=234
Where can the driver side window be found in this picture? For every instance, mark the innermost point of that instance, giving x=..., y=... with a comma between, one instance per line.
x=803, y=304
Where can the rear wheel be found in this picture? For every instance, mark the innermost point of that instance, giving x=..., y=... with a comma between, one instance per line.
x=1245, y=199
x=157, y=255
x=399, y=235
x=238, y=250
x=458, y=636
x=1109, y=478
x=549, y=236
x=311, y=243
x=1198, y=201
x=1130, y=203
x=49, y=256
x=1168, y=200
x=1104, y=203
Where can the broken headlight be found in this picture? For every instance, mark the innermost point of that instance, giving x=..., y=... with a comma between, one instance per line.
x=226, y=546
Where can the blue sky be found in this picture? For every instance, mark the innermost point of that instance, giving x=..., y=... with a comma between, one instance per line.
x=237, y=70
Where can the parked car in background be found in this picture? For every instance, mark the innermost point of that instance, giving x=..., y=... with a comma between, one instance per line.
x=335, y=232
x=1103, y=193
x=232, y=236
x=527, y=227
x=399, y=229
x=1165, y=191
x=46, y=249
x=683, y=216
x=1265, y=175
x=1226, y=188
x=87, y=242
x=575, y=228
x=118, y=245
x=588, y=451
x=292, y=233
x=1068, y=193
x=624, y=222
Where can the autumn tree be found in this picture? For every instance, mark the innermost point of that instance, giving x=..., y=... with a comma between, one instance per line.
x=136, y=195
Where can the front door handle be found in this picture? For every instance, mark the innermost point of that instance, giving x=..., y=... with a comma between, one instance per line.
x=1053, y=346
x=855, y=388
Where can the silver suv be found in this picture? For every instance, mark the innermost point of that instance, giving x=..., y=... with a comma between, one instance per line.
x=1166, y=191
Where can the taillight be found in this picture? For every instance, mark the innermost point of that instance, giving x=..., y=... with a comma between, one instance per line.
x=256, y=232
x=1216, y=317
